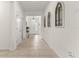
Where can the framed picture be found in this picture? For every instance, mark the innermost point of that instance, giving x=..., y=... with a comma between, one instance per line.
x=48, y=19
x=44, y=21
x=59, y=15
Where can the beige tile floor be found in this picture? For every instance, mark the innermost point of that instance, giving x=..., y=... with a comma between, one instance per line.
x=29, y=48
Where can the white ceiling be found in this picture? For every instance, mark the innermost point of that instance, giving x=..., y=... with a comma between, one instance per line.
x=33, y=6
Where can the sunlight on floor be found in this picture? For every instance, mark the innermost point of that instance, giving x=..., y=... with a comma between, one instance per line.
x=36, y=41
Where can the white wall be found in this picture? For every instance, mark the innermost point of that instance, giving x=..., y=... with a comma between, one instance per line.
x=24, y=27
x=17, y=13
x=32, y=13
x=66, y=39
x=5, y=24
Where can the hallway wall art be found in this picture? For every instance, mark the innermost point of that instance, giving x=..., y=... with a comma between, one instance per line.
x=44, y=21
x=59, y=15
x=48, y=19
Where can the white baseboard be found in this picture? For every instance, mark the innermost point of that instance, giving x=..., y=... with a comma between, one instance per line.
x=58, y=54
x=12, y=49
x=4, y=49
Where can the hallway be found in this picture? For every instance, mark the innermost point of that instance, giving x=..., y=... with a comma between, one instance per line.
x=32, y=47
x=55, y=22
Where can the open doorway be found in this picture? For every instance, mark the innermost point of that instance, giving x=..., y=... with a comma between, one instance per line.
x=19, y=30
x=34, y=24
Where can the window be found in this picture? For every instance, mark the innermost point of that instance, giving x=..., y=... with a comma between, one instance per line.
x=59, y=15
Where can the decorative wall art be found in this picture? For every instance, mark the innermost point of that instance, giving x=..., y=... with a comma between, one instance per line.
x=44, y=21
x=48, y=19
x=59, y=15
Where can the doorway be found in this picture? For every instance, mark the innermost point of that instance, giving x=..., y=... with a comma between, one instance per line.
x=34, y=24
x=19, y=29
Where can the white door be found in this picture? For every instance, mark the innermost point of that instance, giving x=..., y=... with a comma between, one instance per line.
x=19, y=30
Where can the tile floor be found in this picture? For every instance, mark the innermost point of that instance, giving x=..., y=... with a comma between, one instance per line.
x=33, y=47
